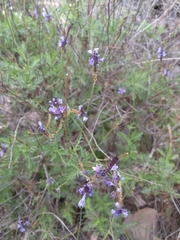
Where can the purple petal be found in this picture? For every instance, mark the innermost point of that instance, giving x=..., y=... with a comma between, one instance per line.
x=108, y=183
x=81, y=190
x=97, y=169
x=90, y=52
x=121, y=90
x=91, y=61
x=82, y=201
x=114, y=168
x=101, y=60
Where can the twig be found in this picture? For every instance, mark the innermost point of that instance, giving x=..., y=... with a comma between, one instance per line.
x=158, y=19
x=170, y=135
x=96, y=142
x=98, y=115
x=14, y=139
x=172, y=198
x=172, y=234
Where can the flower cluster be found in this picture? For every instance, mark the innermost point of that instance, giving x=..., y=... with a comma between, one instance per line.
x=114, y=179
x=94, y=60
x=47, y=16
x=50, y=181
x=22, y=225
x=85, y=190
x=56, y=108
x=62, y=43
x=119, y=210
x=121, y=90
x=40, y=127
x=111, y=167
x=161, y=53
x=166, y=73
x=82, y=113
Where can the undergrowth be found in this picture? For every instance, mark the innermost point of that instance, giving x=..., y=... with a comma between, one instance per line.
x=67, y=122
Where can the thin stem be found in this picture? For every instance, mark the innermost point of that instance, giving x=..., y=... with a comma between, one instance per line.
x=90, y=99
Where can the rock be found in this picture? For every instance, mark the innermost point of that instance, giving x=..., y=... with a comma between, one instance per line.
x=142, y=224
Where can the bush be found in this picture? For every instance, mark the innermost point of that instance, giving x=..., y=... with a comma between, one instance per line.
x=87, y=87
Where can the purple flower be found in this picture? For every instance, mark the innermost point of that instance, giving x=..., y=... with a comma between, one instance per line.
x=97, y=169
x=116, y=177
x=118, y=189
x=85, y=119
x=161, y=53
x=113, y=194
x=94, y=60
x=1, y=153
x=62, y=43
x=166, y=73
x=85, y=190
x=40, y=127
x=48, y=17
x=82, y=113
x=109, y=183
x=50, y=181
x=119, y=211
x=35, y=14
x=56, y=108
x=22, y=225
x=121, y=90
x=82, y=201
x=3, y=149
x=112, y=166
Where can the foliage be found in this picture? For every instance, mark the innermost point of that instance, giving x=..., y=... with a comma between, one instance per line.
x=43, y=167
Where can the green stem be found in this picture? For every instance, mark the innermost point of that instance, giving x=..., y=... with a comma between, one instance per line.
x=90, y=99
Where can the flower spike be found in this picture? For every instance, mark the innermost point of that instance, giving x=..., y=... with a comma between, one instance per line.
x=94, y=61
x=161, y=53
x=119, y=211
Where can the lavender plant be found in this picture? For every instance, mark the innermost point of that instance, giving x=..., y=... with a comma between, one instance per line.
x=22, y=225
x=65, y=133
x=94, y=61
